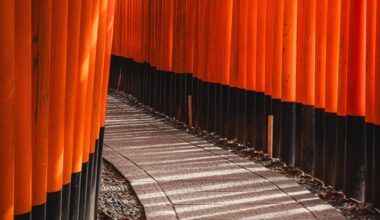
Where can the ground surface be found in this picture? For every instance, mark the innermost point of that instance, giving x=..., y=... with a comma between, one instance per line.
x=179, y=176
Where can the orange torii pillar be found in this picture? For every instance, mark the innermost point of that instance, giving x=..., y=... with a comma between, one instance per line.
x=354, y=172
x=7, y=99
x=104, y=88
x=370, y=88
x=23, y=110
x=261, y=136
x=308, y=87
x=211, y=68
x=56, y=108
x=288, y=87
x=95, y=116
x=342, y=90
x=332, y=69
x=320, y=80
x=251, y=72
x=269, y=66
x=277, y=75
x=225, y=62
x=299, y=78
x=189, y=55
x=77, y=196
x=376, y=120
x=41, y=27
x=70, y=179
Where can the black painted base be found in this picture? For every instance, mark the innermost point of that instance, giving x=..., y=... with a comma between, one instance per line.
x=319, y=143
x=329, y=171
x=339, y=153
x=288, y=133
x=241, y=128
x=260, y=122
x=39, y=212
x=26, y=216
x=54, y=205
x=354, y=175
x=376, y=167
x=75, y=195
x=308, y=139
x=66, y=201
x=233, y=96
x=251, y=133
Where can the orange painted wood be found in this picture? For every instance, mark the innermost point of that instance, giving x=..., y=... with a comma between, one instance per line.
x=308, y=86
x=41, y=27
x=371, y=59
x=356, y=74
x=277, y=48
x=332, y=55
x=107, y=57
x=87, y=147
x=376, y=92
x=99, y=70
x=57, y=88
x=82, y=84
x=72, y=68
x=226, y=41
x=243, y=28
x=190, y=28
x=343, y=58
x=23, y=109
x=288, y=87
x=300, y=50
x=252, y=45
x=269, y=46
x=320, y=65
x=261, y=45
x=7, y=96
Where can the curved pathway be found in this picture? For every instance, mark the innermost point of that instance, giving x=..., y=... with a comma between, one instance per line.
x=179, y=176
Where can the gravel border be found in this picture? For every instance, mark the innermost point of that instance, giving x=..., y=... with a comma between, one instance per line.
x=117, y=199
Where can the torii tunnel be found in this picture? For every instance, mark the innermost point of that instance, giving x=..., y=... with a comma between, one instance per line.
x=298, y=80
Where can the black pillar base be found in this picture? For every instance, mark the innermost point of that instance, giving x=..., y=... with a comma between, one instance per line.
x=376, y=167
x=66, y=201
x=26, y=216
x=224, y=91
x=54, y=205
x=288, y=133
x=329, y=171
x=319, y=142
x=339, y=153
x=233, y=95
x=242, y=117
x=369, y=130
x=308, y=139
x=39, y=212
x=260, y=122
x=354, y=175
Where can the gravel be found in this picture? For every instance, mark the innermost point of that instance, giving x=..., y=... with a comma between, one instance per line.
x=117, y=200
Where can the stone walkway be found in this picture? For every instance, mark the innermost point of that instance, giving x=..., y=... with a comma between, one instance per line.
x=179, y=176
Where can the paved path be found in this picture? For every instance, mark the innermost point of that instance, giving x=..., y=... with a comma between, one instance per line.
x=179, y=176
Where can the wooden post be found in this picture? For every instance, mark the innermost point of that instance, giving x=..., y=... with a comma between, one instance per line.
x=270, y=136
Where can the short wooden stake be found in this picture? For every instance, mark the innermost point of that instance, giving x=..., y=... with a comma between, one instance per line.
x=270, y=136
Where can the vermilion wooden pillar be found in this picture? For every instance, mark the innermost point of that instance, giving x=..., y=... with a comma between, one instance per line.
x=331, y=92
x=71, y=179
x=41, y=27
x=288, y=87
x=251, y=73
x=320, y=80
x=277, y=75
x=7, y=96
x=23, y=110
x=354, y=172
